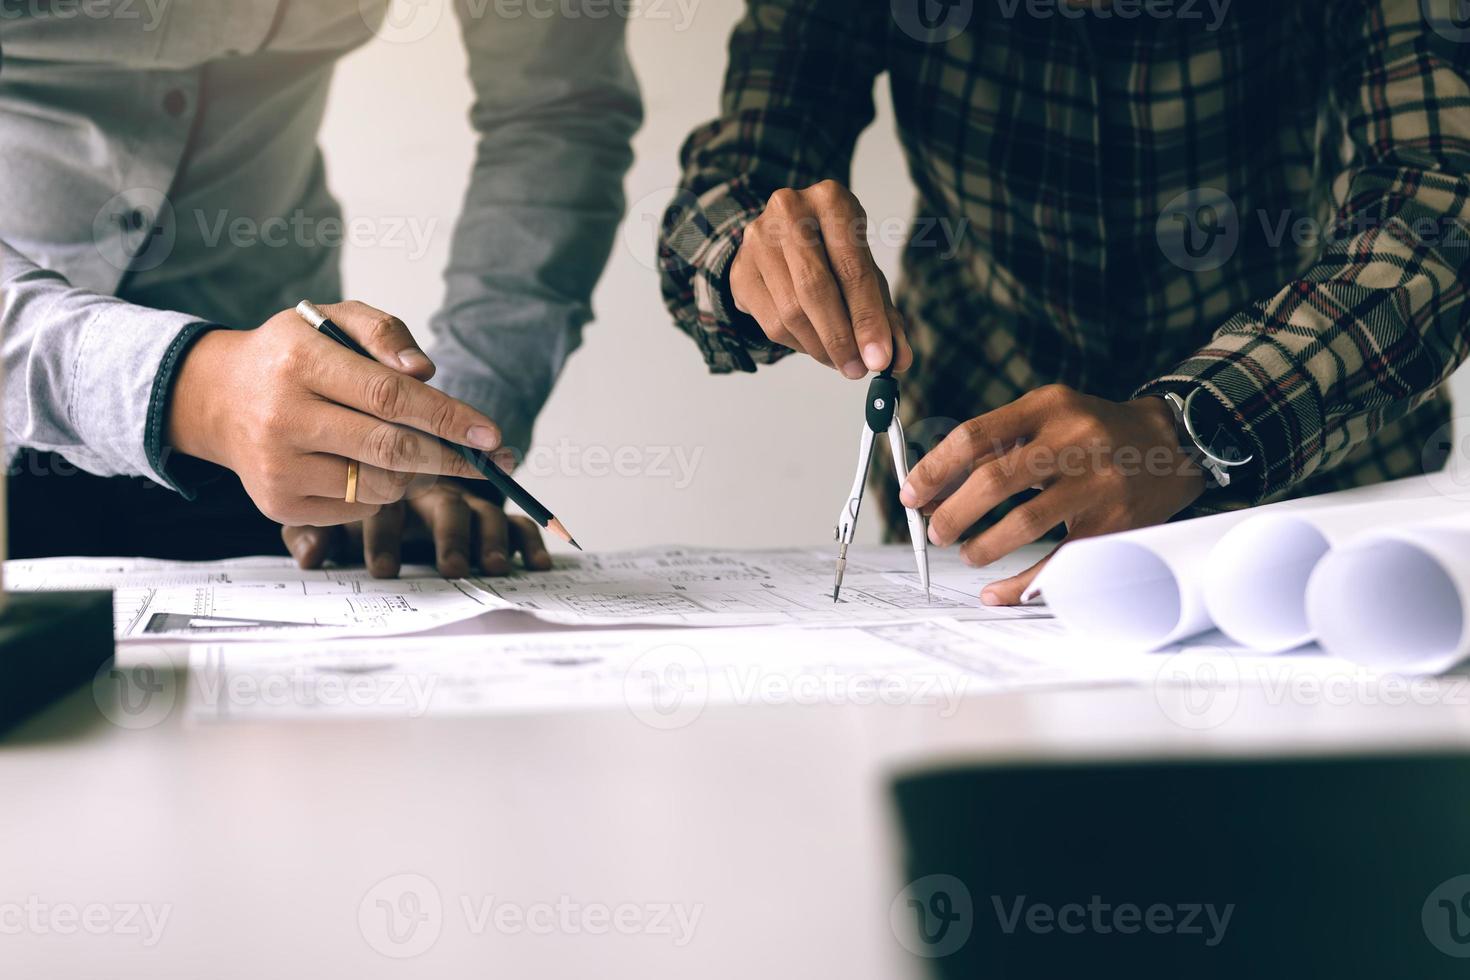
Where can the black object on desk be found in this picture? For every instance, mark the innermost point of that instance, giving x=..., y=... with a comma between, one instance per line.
x=50, y=644
x=1342, y=868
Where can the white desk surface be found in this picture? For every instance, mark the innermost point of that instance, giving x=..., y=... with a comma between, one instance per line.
x=264, y=839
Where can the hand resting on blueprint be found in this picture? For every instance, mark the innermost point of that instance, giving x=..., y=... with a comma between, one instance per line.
x=461, y=529
x=1101, y=466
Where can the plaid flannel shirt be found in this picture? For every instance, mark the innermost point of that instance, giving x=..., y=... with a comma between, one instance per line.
x=1270, y=202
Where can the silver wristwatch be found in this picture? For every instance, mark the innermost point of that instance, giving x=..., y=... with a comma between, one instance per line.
x=1209, y=434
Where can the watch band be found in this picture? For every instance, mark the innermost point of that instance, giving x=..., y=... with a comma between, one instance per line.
x=1217, y=472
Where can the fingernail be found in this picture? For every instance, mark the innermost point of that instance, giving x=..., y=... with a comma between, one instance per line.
x=452, y=564
x=298, y=548
x=505, y=460
x=483, y=437
x=496, y=563
x=907, y=497
x=990, y=598
x=876, y=357
x=853, y=370
x=934, y=537
x=413, y=359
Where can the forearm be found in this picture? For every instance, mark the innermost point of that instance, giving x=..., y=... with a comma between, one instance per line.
x=1379, y=322
x=86, y=376
x=556, y=108
x=1313, y=371
x=524, y=262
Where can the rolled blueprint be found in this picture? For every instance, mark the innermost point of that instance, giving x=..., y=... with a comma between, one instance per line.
x=1137, y=588
x=1145, y=589
x=1255, y=582
x=1397, y=599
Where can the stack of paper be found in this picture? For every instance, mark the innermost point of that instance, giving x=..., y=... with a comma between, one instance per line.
x=1379, y=575
x=653, y=631
x=270, y=598
x=254, y=598
x=665, y=678
x=266, y=639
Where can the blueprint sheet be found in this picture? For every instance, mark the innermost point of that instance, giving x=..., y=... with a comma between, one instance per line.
x=254, y=598
x=706, y=587
x=270, y=598
x=665, y=678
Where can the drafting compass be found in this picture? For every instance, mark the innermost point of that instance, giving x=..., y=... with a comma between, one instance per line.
x=881, y=414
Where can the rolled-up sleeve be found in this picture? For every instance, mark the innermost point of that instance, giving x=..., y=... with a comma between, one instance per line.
x=556, y=106
x=87, y=376
x=1379, y=322
x=798, y=93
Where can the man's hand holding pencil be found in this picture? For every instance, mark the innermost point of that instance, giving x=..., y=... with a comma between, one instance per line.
x=321, y=435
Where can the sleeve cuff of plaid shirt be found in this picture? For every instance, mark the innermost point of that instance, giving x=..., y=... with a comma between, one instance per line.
x=1271, y=395
x=704, y=239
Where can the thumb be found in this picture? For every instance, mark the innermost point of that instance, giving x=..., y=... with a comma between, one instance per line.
x=384, y=335
x=308, y=545
x=1014, y=590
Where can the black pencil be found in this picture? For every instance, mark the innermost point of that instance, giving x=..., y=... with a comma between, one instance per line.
x=482, y=463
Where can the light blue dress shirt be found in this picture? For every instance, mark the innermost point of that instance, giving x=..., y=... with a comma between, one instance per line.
x=129, y=128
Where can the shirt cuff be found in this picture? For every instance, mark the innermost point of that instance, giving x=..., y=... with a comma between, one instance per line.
x=1270, y=394
x=699, y=247
x=126, y=362
x=176, y=471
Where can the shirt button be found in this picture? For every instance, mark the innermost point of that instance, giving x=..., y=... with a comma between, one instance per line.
x=175, y=102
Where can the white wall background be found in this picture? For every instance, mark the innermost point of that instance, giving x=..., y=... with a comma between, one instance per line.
x=772, y=454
